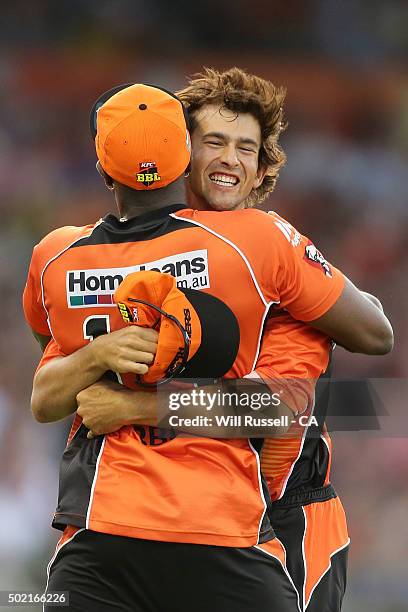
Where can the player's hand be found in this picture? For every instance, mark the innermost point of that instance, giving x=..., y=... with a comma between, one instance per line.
x=106, y=406
x=131, y=349
x=100, y=408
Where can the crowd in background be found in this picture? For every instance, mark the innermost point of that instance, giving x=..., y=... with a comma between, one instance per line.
x=345, y=185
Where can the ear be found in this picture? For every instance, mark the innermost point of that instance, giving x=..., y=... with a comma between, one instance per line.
x=108, y=179
x=260, y=175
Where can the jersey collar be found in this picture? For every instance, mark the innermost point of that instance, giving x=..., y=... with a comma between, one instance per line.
x=144, y=219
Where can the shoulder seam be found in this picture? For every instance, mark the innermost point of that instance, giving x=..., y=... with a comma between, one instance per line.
x=236, y=248
x=266, y=304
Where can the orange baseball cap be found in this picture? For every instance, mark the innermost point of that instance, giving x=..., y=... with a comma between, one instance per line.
x=141, y=136
x=198, y=333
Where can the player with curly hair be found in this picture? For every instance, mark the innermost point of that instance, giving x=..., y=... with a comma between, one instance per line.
x=227, y=140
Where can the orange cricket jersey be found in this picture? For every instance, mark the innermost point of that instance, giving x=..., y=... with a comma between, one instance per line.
x=205, y=491
x=292, y=350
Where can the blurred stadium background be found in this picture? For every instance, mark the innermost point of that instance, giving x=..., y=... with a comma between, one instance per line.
x=345, y=66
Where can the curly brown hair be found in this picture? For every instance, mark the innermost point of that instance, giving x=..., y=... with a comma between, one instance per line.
x=241, y=92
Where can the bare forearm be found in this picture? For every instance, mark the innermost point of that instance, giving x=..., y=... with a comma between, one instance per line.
x=134, y=407
x=356, y=322
x=107, y=406
x=57, y=384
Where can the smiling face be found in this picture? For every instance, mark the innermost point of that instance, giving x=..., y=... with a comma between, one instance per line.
x=224, y=165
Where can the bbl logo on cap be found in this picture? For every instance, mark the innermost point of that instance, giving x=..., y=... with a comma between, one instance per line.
x=148, y=173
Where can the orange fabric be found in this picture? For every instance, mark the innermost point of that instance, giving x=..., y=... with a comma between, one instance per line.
x=54, y=243
x=276, y=250
x=76, y=424
x=277, y=458
x=326, y=533
x=67, y=534
x=290, y=350
x=148, y=482
x=188, y=489
x=327, y=438
x=142, y=139
x=276, y=549
x=159, y=290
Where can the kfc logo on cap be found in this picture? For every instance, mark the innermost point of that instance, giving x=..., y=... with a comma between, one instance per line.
x=148, y=173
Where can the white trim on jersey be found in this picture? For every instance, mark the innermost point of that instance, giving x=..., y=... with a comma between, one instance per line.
x=285, y=569
x=261, y=328
x=235, y=247
x=266, y=304
x=326, y=442
x=326, y=570
x=304, y=560
x=57, y=549
x=95, y=478
x=258, y=464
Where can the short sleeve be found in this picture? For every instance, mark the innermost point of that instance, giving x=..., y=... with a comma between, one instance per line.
x=307, y=284
x=49, y=247
x=34, y=310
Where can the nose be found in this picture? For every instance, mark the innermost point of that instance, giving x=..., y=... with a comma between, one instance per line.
x=229, y=156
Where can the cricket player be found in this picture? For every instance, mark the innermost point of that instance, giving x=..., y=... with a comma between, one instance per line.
x=376, y=329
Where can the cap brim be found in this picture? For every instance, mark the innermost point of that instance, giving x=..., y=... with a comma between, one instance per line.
x=220, y=337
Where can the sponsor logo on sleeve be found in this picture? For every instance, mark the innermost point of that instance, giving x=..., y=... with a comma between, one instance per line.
x=289, y=232
x=315, y=258
x=96, y=287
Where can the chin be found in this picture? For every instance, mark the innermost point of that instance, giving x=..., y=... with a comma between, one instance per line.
x=220, y=206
